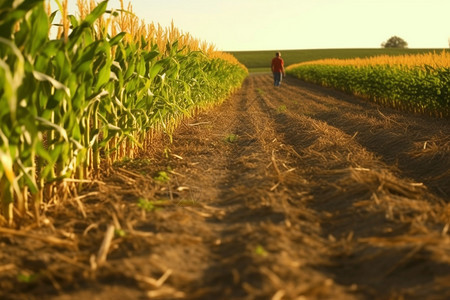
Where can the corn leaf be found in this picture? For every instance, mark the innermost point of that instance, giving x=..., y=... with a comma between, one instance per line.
x=56, y=84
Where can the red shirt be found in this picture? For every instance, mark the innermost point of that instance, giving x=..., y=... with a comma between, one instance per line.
x=277, y=64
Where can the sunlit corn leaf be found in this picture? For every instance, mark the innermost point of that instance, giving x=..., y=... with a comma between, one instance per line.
x=39, y=30
x=56, y=84
x=101, y=94
x=117, y=39
x=56, y=127
x=7, y=165
x=29, y=179
x=96, y=12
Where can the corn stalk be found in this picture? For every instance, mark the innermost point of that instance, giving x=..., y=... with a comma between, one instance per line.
x=89, y=97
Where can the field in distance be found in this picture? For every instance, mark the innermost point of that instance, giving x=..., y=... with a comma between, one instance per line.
x=259, y=61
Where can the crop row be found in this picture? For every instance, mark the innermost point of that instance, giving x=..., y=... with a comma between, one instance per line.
x=92, y=95
x=417, y=83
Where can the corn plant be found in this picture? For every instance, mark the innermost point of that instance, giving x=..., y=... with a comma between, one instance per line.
x=91, y=95
x=418, y=83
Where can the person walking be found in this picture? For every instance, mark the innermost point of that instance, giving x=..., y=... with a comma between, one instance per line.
x=277, y=69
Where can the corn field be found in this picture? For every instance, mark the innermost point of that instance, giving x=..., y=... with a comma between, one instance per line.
x=95, y=93
x=416, y=83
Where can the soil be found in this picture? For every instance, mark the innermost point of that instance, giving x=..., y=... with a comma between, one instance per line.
x=291, y=192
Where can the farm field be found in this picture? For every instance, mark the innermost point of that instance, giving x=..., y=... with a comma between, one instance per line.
x=297, y=192
x=415, y=83
x=259, y=61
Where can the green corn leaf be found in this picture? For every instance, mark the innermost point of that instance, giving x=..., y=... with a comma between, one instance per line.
x=132, y=138
x=103, y=76
x=6, y=5
x=39, y=30
x=6, y=160
x=117, y=39
x=84, y=64
x=95, y=98
x=58, y=128
x=41, y=151
x=120, y=97
x=30, y=180
x=14, y=14
x=148, y=57
x=112, y=127
x=73, y=21
x=117, y=65
x=29, y=5
x=50, y=48
x=9, y=90
x=77, y=144
x=114, y=12
x=130, y=70
x=56, y=84
x=96, y=12
x=140, y=68
x=52, y=16
x=155, y=69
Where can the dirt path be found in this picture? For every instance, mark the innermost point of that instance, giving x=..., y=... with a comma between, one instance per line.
x=297, y=192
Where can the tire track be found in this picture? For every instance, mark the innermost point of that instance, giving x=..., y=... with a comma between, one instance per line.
x=262, y=234
x=418, y=146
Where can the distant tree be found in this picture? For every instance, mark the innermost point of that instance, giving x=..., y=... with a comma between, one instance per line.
x=395, y=42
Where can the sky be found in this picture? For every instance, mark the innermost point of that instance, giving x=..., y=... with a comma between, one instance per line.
x=236, y=25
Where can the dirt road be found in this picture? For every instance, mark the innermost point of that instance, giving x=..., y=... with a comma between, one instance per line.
x=296, y=192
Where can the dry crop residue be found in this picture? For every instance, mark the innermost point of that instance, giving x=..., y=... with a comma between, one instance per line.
x=297, y=192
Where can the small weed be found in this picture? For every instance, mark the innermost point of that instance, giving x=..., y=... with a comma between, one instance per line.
x=152, y=205
x=260, y=251
x=281, y=109
x=146, y=205
x=27, y=278
x=120, y=233
x=162, y=177
x=260, y=91
x=231, y=138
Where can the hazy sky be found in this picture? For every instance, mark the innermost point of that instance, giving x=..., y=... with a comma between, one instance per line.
x=302, y=24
